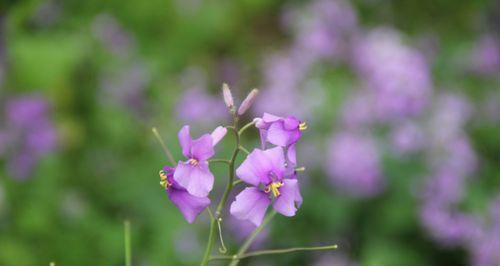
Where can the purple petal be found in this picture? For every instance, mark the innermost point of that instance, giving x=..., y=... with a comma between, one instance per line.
x=189, y=205
x=251, y=204
x=277, y=134
x=291, y=155
x=202, y=149
x=185, y=140
x=197, y=180
x=259, y=164
x=291, y=123
x=218, y=134
x=269, y=118
x=290, y=194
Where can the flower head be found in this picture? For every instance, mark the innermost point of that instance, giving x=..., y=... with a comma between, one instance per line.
x=283, y=132
x=194, y=174
x=266, y=171
x=189, y=205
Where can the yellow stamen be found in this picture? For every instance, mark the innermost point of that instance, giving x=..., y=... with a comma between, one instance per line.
x=302, y=126
x=163, y=180
x=193, y=162
x=274, y=188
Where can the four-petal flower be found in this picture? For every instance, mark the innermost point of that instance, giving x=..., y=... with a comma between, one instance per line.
x=265, y=171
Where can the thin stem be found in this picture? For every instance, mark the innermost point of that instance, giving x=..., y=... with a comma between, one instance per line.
x=222, y=203
x=219, y=161
x=245, y=127
x=210, y=242
x=165, y=148
x=243, y=149
x=128, y=248
x=223, y=248
x=272, y=251
x=251, y=238
x=229, y=186
x=237, y=182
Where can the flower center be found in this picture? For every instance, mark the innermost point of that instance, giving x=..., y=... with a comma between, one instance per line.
x=302, y=126
x=274, y=188
x=163, y=180
x=193, y=162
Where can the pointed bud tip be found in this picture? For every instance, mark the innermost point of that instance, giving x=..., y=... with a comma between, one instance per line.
x=247, y=103
x=228, y=97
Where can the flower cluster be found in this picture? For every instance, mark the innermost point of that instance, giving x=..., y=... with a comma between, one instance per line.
x=27, y=134
x=269, y=172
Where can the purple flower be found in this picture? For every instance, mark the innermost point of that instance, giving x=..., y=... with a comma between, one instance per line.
x=283, y=132
x=196, y=105
x=189, y=205
x=266, y=172
x=353, y=164
x=29, y=134
x=194, y=174
x=485, y=56
x=407, y=138
x=398, y=74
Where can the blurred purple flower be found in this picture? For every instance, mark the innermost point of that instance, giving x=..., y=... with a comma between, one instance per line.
x=358, y=110
x=398, y=74
x=29, y=134
x=407, y=137
x=241, y=229
x=194, y=174
x=486, y=247
x=353, y=164
x=197, y=106
x=189, y=205
x=485, y=56
x=126, y=88
x=265, y=168
x=110, y=33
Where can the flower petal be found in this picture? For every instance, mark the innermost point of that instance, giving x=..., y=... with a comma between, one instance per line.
x=251, y=204
x=197, y=180
x=185, y=140
x=259, y=164
x=278, y=135
x=218, y=134
x=189, y=205
x=291, y=155
x=290, y=194
x=202, y=148
x=269, y=118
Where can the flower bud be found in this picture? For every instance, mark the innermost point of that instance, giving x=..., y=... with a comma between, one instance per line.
x=228, y=98
x=247, y=103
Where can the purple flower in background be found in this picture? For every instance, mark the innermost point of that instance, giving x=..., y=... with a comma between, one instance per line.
x=111, y=34
x=407, y=138
x=398, y=74
x=127, y=88
x=265, y=171
x=485, y=56
x=353, y=164
x=358, y=110
x=196, y=105
x=189, y=205
x=29, y=134
x=194, y=174
x=283, y=132
x=486, y=247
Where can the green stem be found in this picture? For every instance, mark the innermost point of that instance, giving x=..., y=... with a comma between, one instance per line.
x=165, y=148
x=128, y=249
x=251, y=238
x=244, y=150
x=210, y=242
x=222, y=203
x=219, y=161
x=272, y=251
x=245, y=127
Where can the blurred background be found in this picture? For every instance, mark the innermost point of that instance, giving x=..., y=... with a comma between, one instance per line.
x=402, y=99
